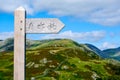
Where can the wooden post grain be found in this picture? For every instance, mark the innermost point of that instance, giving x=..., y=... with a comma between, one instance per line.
x=19, y=44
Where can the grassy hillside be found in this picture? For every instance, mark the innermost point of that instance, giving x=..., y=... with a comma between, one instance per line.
x=61, y=59
x=6, y=66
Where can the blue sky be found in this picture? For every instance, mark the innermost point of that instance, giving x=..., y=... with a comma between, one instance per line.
x=86, y=21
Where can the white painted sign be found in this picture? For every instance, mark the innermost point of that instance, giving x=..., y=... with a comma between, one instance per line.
x=43, y=25
x=23, y=26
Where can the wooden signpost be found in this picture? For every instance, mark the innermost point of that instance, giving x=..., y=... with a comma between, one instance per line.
x=23, y=26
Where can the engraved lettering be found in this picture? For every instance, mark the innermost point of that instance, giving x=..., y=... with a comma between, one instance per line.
x=52, y=26
x=30, y=26
x=41, y=25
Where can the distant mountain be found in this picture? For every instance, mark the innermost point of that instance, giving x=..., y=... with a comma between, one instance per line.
x=103, y=54
x=95, y=49
x=112, y=53
x=7, y=45
x=108, y=53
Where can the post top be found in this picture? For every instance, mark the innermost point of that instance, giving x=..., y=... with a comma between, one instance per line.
x=20, y=8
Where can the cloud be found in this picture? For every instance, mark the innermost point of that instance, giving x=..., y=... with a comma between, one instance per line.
x=92, y=36
x=10, y=5
x=5, y=35
x=104, y=12
x=107, y=45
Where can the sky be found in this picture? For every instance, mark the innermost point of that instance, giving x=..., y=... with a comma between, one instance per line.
x=95, y=22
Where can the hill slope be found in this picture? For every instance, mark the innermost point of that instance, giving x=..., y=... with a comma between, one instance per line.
x=57, y=58
x=61, y=59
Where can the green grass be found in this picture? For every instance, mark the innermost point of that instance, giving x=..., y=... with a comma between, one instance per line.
x=92, y=65
x=6, y=66
x=61, y=60
x=78, y=69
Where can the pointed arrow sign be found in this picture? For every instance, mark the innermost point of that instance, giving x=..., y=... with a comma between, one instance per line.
x=43, y=25
x=22, y=26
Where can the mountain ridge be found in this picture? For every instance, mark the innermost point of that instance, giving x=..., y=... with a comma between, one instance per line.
x=8, y=44
x=113, y=53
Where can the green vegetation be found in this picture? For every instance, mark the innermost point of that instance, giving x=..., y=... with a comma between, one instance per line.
x=6, y=66
x=61, y=59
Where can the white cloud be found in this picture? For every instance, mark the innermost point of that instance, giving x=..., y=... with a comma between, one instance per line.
x=105, y=12
x=108, y=45
x=11, y=5
x=92, y=36
x=5, y=35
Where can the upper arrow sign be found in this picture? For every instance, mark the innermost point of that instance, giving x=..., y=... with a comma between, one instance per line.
x=43, y=25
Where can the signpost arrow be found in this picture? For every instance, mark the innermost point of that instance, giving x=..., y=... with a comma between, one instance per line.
x=23, y=26
x=43, y=25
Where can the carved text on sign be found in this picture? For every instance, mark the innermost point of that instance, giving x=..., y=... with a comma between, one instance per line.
x=41, y=26
x=52, y=26
x=44, y=25
x=30, y=26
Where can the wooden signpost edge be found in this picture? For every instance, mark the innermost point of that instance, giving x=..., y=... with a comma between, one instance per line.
x=19, y=44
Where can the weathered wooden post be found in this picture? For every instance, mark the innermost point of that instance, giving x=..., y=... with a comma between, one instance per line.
x=19, y=44
x=23, y=26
